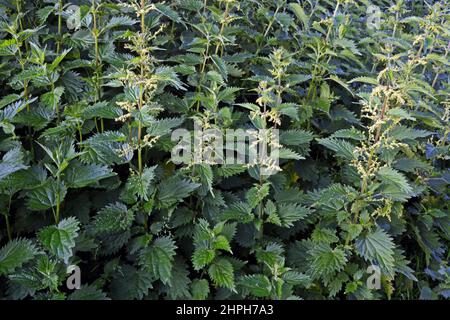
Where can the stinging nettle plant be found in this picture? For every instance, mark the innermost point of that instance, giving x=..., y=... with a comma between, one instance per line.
x=93, y=89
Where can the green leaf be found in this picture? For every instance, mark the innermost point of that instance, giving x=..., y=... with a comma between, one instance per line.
x=296, y=278
x=295, y=137
x=412, y=165
x=300, y=13
x=202, y=257
x=258, y=285
x=377, y=247
x=342, y=148
x=130, y=283
x=112, y=218
x=15, y=253
x=12, y=162
x=341, y=83
x=168, y=12
x=230, y=170
x=220, y=65
x=139, y=185
x=87, y=293
x=161, y=127
x=10, y=98
x=45, y=196
x=290, y=213
x=158, y=258
x=221, y=243
x=174, y=189
x=200, y=289
x=102, y=110
x=60, y=239
x=325, y=261
x=119, y=21
x=221, y=273
x=178, y=286
x=349, y=134
x=257, y=194
x=106, y=148
x=80, y=176
x=394, y=184
x=206, y=175
x=367, y=80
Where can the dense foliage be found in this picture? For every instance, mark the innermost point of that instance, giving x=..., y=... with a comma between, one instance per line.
x=86, y=177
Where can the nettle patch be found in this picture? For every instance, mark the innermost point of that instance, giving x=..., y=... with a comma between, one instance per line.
x=354, y=205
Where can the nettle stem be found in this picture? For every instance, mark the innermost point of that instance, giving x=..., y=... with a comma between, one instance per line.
x=19, y=51
x=266, y=32
x=98, y=65
x=222, y=27
x=7, y=222
x=60, y=9
x=332, y=22
x=141, y=89
x=202, y=70
x=8, y=227
x=438, y=72
x=55, y=105
x=382, y=113
x=19, y=13
x=58, y=198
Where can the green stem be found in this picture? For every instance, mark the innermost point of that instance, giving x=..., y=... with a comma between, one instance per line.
x=271, y=22
x=202, y=70
x=141, y=92
x=8, y=227
x=222, y=27
x=58, y=198
x=55, y=106
x=433, y=84
x=260, y=46
x=98, y=65
x=334, y=16
x=19, y=12
x=60, y=9
x=8, y=224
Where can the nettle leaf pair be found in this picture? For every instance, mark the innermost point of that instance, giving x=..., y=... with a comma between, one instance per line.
x=354, y=206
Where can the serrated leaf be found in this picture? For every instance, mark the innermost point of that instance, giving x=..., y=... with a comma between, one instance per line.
x=87, y=293
x=15, y=253
x=377, y=247
x=325, y=261
x=130, y=283
x=342, y=148
x=158, y=258
x=60, y=239
x=139, y=185
x=161, y=127
x=394, y=184
x=256, y=194
x=112, y=218
x=79, y=175
x=290, y=213
x=45, y=196
x=222, y=273
x=202, y=257
x=12, y=162
x=200, y=289
x=175, y=189
x=258, y=285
